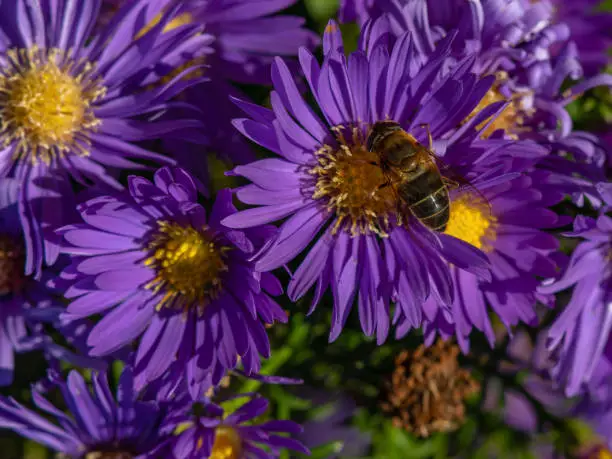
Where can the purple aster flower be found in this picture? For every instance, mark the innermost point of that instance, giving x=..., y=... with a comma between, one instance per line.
x=208, y=431
x=520, y=254
x=20, y=295
x=99, y=425
x=330, y=187
x=580, y=336
x=157, y=269
x=74, y=102
x=530, y=51
x=247, y=35
x=530, y=362
x=26, y=303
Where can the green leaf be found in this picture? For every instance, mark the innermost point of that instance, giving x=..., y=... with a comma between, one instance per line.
x=322, y=10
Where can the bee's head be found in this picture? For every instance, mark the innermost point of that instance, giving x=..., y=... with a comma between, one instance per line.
x=380, y=130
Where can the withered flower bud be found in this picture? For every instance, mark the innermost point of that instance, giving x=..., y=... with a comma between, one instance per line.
x=427, y=390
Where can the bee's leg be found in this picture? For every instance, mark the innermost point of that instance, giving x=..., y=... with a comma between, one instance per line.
x=399, y=213
x=450, y=183
x=429, y=138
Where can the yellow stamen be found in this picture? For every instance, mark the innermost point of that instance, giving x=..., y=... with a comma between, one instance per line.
x=349, y=179
x=228, y=444
x=45, y=103
x=188, y=263
x=472, y=222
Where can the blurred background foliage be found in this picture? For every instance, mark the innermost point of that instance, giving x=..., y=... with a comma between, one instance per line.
x=348, y=375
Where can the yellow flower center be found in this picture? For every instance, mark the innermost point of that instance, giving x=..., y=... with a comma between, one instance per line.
x=471, y=221
x=188, y=263
x=604, y=453
x=12, y=260
x=510, y=120
x=45, y=103
x=349, y=178
x=180, y=20
x=228, y=444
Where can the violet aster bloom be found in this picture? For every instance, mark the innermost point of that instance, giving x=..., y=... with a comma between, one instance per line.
x=530, y=359
x=247, y=35
x=580, y=336
x=206, y=431
x=157, y=269
x=331, y=188
x=26, y=304
x=97, y=425
x=72, y=102
x=520, y=253
x=526, y=46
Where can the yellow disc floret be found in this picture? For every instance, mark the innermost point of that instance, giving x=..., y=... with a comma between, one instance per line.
x=349, y=177
x=228, y=444
x=511, y=119
x=603, y=453
x=188, y=264
x=178, y=21
x=471, y=221
x=45, y=109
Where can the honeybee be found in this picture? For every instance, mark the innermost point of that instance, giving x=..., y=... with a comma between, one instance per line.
x=410, y=168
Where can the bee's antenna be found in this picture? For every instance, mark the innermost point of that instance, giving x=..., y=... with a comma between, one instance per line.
x=429, y=137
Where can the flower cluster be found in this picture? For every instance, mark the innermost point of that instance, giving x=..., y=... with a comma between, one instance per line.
x=421, y=186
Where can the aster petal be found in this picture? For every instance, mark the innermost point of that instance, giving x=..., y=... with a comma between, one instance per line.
x=465, y=256
x=168, y=343
x=346, y=258
x=291, y=98
x=118, y=328
x=293, y=237
x=260, y=133
x=7, y=360
x=93, y=303
x=86, y=238
x=311, y=268
x=120, y=280
x=115, y=261
x=271, y=174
